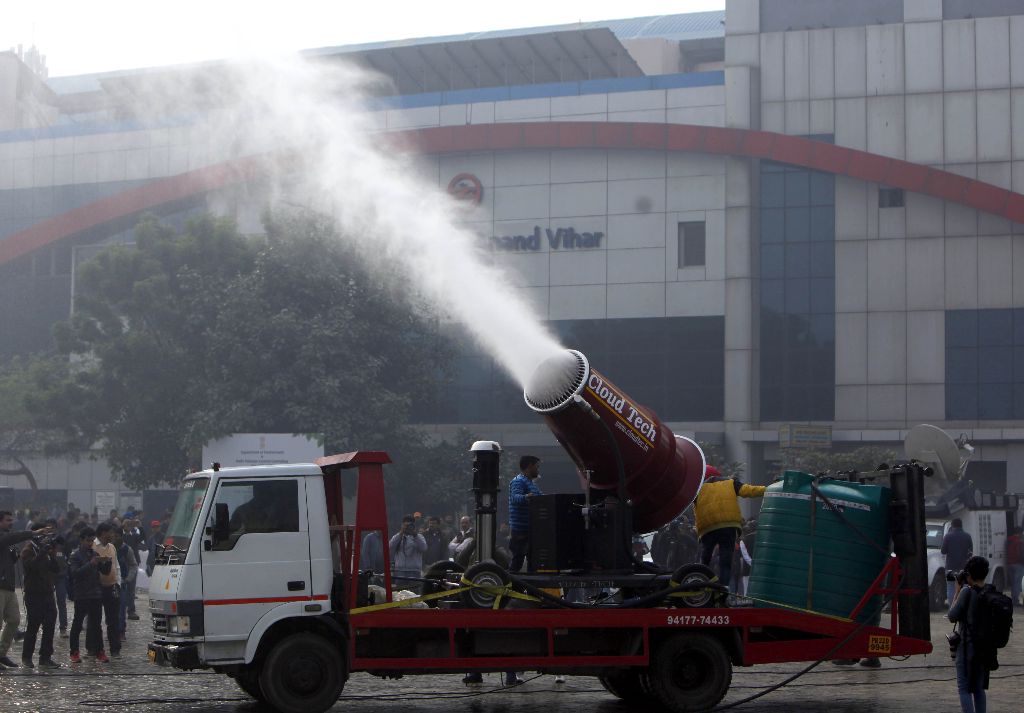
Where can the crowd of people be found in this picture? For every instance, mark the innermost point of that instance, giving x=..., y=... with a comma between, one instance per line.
x=77, y=557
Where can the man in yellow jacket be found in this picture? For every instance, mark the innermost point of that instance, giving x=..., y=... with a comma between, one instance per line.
x=717, y=512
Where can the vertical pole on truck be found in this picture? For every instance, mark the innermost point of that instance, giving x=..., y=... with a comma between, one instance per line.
x=486, y=456
x=371, y=511
x=909, y=543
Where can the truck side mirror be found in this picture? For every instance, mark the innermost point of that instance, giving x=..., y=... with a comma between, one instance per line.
x=221, y=523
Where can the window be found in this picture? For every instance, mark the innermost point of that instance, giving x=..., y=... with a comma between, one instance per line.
x=985, y=364
x=797, y=288
x=258, y=506
x=692, y=243
x=890, y=197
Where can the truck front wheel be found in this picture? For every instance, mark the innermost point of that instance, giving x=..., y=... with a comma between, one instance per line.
x=304, y=673
x=248, y=679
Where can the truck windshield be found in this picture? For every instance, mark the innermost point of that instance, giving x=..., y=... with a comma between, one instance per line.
x=186, y=512
x=934, y=536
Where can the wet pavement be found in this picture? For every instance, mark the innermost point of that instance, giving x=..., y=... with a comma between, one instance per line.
x=131, y=683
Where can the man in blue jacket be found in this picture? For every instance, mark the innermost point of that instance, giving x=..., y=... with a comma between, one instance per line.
x=520, y=490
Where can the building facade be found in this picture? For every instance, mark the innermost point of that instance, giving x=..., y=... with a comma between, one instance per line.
x=786, y=213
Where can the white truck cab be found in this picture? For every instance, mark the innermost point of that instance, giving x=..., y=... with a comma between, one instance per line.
x=242, y=552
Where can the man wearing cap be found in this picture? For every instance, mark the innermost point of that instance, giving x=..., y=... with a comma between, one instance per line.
x=717, y=512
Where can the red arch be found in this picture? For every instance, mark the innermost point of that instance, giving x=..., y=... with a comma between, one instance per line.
x=793, y=150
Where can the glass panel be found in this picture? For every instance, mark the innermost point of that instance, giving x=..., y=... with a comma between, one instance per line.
x=823, y=224
x=186, y=512
x=798, y=296
x=773, y=261
x=773, y=225
x=773, y=296
x=995, y=365
x=961, y=401
x=1018, y=400
x=773, y=190
x=693, y=244
x=995, y=401
x=823, y=260
x=995, y=327
x=798, y=222
x=798, y=260
x=962, y=365
x=771, y=404
x=1018, y=327
x=961, y=328
x=798, y=190
x=823, y=188
x=823, y=295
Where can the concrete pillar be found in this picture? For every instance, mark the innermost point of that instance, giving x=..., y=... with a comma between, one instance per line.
x=742, y=111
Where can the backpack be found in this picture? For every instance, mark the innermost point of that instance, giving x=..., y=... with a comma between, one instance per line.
x=993, y=619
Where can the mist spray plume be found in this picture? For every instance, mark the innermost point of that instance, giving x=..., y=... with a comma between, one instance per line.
x=313, y=116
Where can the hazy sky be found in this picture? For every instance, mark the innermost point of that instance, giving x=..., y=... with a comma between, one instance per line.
x=83, y=36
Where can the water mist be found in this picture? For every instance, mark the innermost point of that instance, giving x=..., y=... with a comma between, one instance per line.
x=310, y=119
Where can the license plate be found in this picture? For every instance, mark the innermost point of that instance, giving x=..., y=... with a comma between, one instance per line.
x=152, y=656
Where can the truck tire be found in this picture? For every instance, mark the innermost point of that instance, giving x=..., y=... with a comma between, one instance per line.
x=627, y=685
x=690, y=672
x=486, y=574
x=437, y=572
x=303, y=673
x=937, y=593
x=248, y=679
x=695, y=574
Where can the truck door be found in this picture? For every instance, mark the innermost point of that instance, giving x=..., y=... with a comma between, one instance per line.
x=263, y=563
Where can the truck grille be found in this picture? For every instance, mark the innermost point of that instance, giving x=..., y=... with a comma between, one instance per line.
x=159, y=623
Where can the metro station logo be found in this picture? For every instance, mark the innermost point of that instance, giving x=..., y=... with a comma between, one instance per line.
x=466, y=188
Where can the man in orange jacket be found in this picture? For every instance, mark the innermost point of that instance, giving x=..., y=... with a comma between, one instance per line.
x=717, y=512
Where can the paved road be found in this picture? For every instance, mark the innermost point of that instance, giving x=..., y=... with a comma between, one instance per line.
x=924, y=684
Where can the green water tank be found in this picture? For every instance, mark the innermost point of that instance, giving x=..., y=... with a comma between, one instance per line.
x=807, y=557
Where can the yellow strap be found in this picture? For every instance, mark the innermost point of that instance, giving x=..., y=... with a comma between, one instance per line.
x=799, y=609
x=498, y=593
x=407, y=602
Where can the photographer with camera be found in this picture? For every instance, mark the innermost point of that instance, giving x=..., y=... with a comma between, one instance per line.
x=407, y=548
x=39, y=560
x=84, y=568
x=10, y=610
x=973, y=660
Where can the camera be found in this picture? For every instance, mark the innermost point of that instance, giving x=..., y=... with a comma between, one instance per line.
x=954, y=643
x=47, y=542
x=960, y=577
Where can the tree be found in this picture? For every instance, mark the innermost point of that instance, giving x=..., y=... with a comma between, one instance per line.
x=714, y=454
x=818, y=461
x=185, y=338
x=21, y=437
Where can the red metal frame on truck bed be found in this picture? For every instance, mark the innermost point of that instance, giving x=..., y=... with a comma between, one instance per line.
x=458, y=640
x=761, y=635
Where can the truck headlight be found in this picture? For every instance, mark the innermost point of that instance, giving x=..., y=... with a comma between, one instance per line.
x=179, y=625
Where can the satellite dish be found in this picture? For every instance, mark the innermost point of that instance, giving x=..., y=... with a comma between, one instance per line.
x=930, y=444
